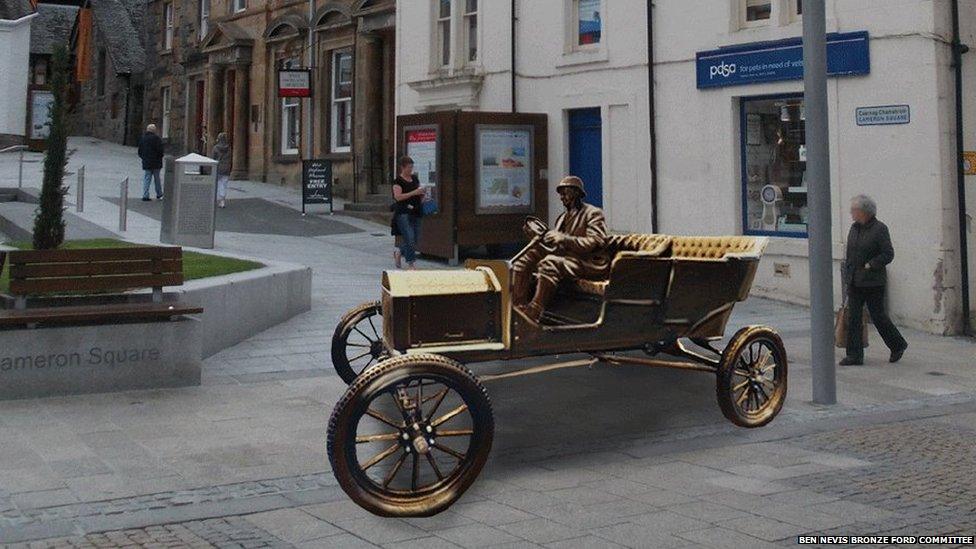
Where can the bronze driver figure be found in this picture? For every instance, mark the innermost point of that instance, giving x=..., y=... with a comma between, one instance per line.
x=575, y=248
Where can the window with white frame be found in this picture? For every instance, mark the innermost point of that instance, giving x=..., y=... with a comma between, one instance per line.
x=239, y=5
x=756, y=12
x=444, y=32
x=204, y=18
x=471, y=30
x=341, y=114
x=167, y=106
x=588, y=23
x=168, y=27
x=290, y=121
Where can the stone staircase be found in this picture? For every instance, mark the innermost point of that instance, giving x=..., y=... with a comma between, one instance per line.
x=375, y=208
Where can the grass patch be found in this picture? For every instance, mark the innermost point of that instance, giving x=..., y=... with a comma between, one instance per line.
x=196, y=265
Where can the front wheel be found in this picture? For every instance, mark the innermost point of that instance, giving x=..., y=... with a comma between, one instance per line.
x=751, y=380
x=357, y=342
x=410, y=435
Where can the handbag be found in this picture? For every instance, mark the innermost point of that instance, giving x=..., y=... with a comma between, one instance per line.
x=841, y=325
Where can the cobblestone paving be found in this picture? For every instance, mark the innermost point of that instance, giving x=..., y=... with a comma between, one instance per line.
x=922, y=472
x=228, y=533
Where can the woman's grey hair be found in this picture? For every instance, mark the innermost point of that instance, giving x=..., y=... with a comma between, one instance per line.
x=866, y=204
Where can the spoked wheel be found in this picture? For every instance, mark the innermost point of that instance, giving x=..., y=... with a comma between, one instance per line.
x=357, y=342
x=751, y=384
x=410, y=435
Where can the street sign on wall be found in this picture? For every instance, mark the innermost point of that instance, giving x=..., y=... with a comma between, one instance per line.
x=847, y=54
x=885, y=115
x=294, y=83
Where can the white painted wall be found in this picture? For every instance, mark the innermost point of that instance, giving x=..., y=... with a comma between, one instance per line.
x=909, y=169
x=551, y=80
x=14, y=66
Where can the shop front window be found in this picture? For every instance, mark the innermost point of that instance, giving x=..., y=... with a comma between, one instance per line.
x=774, y=183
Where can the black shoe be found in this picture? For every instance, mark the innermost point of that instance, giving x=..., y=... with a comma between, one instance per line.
x=160, y=197
x=897, y=354
x=145, y=199
x=848, y=361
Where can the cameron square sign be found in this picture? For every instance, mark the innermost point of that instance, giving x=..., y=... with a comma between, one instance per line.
x=847, y=54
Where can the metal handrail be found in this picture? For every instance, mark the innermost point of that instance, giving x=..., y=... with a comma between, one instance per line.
x=20, y=162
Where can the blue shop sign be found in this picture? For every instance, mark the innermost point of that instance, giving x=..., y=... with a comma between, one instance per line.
x=847, y=54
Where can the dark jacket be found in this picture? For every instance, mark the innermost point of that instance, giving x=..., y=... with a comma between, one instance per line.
x=151, y=151
x=868, y=244
x=221, y=153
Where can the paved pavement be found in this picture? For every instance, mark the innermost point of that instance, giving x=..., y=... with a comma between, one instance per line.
x=611, y=457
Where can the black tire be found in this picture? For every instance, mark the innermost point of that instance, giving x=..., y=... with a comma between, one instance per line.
x=745, y=365
x=359, y=334
x=397, y=376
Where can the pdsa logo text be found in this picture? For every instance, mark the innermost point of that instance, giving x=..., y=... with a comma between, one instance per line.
x=723, y=69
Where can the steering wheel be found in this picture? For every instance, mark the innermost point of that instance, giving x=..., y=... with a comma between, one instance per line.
x=536, y=226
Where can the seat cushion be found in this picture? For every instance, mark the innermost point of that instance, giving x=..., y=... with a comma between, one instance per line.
x=592, y=287
x=635, y=242
x=711, y=247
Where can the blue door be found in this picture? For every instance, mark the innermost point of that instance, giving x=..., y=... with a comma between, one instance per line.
x=586, y=152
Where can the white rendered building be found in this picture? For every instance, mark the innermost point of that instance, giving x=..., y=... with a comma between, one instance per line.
x=729, y=118
x=15, y=16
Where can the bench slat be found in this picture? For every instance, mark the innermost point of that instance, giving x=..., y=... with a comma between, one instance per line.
x=60, y=285
x=105, y=254
x=95, y=313
x=69, y=270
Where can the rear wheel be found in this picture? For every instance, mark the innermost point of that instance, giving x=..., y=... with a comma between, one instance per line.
x=357, y=342
x=751, y=380
x=410, y=435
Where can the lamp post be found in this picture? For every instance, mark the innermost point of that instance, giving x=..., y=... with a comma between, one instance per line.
x=818, y=196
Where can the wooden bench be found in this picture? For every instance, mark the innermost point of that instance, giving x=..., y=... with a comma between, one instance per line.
x=115, y=270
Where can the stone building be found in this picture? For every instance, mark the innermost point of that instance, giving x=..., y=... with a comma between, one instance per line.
x=109, y=44
x=214, y=69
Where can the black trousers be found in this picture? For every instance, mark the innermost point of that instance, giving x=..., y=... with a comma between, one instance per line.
x=874, y=298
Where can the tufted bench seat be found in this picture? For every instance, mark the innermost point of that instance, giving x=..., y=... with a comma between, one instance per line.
x=646, y=244
x=695, y=248
x=716, y=247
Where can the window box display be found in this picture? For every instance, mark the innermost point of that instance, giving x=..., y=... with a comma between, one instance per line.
x=774, y=185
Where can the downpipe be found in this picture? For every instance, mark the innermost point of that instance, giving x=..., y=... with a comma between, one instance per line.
x=958, y=49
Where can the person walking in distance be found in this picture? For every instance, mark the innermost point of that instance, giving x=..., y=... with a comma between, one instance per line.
x=408, y=210
x=869, y=250
x=151, y=153
x=222, y=154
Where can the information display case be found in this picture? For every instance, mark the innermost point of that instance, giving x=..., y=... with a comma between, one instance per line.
x=485, y=172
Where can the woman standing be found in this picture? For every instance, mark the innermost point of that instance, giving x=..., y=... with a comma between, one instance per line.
x=408, y=209
x=221, y=153
x=869, y=250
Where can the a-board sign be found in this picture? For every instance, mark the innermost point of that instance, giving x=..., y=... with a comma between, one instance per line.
x=316, y=182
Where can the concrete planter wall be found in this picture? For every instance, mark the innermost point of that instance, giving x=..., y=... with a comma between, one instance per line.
x=241, y=305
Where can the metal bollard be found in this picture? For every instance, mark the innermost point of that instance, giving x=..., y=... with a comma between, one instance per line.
x=123, y=203
x=80, y=191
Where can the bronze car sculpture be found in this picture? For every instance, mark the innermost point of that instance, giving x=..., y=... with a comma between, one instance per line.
x=415, y=426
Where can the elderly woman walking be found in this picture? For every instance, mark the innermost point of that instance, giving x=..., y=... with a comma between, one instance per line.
x=869, y=250
x=221, y=153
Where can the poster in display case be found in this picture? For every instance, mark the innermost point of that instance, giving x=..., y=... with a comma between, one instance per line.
x=421, y=146
x=504, y=169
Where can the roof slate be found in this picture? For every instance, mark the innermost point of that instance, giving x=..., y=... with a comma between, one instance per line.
x=51, y=27
x=121, y=24
x=12, y=10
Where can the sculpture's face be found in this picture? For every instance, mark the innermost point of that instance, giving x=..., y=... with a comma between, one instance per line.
x=568, y=196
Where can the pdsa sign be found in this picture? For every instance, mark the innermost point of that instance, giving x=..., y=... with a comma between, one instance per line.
x=847, y=54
